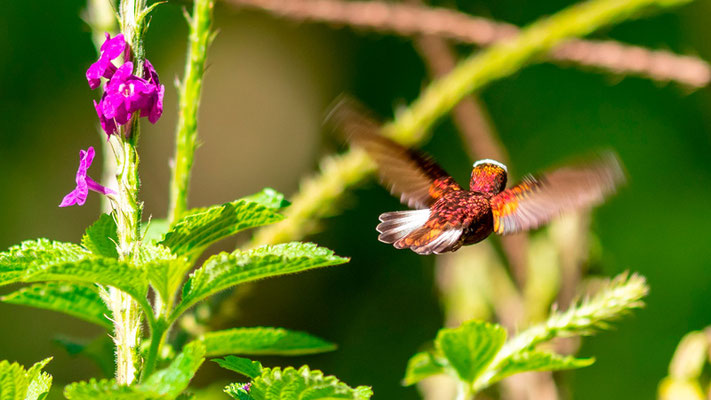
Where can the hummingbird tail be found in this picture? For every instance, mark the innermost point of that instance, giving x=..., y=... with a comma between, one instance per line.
x=398, y=224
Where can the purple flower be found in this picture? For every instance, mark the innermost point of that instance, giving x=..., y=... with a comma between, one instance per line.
x=84, y=183
x=126, y=93
x=111, y=49
x=156, y=106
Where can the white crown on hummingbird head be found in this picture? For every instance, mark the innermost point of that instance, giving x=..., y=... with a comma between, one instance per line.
x=490, y=161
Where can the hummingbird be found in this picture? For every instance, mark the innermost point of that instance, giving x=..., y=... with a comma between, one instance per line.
x=445, y=216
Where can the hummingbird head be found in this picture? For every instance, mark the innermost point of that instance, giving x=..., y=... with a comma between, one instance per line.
x=488, y=176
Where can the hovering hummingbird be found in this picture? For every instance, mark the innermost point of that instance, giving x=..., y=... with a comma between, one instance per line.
x=447, y=216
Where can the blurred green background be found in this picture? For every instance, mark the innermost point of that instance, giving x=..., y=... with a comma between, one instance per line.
x=268, y=84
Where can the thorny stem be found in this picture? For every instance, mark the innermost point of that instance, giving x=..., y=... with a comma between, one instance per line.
x=186, y=134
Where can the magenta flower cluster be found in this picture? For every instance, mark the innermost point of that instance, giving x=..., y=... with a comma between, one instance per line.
x=124, y=92
x=124, y=95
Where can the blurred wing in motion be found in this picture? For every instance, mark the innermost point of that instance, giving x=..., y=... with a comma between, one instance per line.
x=412, y=175
x=537, y=200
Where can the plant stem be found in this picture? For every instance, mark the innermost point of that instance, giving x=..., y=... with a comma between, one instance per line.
x=126, y=312
x=186, y=134
x=158, y=335
x=318, y=194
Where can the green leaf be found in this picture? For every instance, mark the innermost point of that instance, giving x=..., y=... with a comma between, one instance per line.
x=263, y=341
x=538, y=361
x=79, y=300
x=196, y=231
x=104, y=389
x=269, y=198
x=244, y=366
x=471, y=347
x=39, y=382
x=101, y=270
x=168, y=383
x=224, y=270
x=23, y=258
x=302, y=384
x=238, y=391
x=101, y=238
x=165, y=271
x=421, y=366
x=18, y=384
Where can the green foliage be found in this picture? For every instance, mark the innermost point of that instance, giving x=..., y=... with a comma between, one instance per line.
x=269, y=198
x=244, y=366
x=16, y=383
x=422, y=365
x=154, y=230
x=165, y=384
x=19, y=260
x=477, y=354
x=79, y=300
x=471, y=347
x=101, y=237
x=196, y=231
x=225, y=270
x=165, y=271
x=105, y=271
x=105, y=389
x=170, y=382
x=264, y=341
x=302, y=384
x=538, y=361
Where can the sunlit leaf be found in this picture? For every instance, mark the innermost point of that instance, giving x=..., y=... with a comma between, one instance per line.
x=79, y=300
x=420, y=366
x=170, y=382
x=225, y=270
x=19, y=260
x=244, y=366
x=538, y=361
x=470, y=347
x=101, y=238
x=264, y=341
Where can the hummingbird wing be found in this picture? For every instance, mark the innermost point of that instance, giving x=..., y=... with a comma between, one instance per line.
x=536, y=200
x=414, y=176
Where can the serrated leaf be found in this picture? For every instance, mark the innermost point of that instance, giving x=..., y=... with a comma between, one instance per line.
x=420, y=366
x=101, y=237
x=101, y=270
x=19, y=260
x=263, y=341
x=224, y=270
x=269, y=198
x=168, y=383
x=104, y=389
x=302, y=384
x=78, y=300
x=196, y=231
x=238, y=391
x=471, y=347
x=13, y=381
x=18, y=384
x=165, y=271
x=538, y=361
x=39, y=387
x=244, y=366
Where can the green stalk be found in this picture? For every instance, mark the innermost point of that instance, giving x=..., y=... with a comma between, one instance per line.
x=318, y=194
x=186, y=134
x=125, y=310
x=158, y=335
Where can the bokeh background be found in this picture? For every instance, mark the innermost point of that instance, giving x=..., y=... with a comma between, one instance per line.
x=267, y=87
